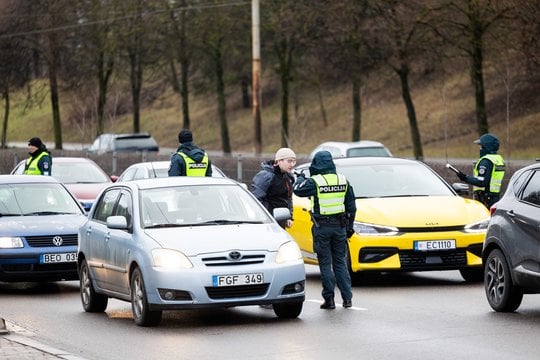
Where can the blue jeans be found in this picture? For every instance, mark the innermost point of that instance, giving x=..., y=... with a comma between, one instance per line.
x=330, y=244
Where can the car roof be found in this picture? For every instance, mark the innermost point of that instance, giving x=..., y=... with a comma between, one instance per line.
x=371, y=160
x=178, y=181
x=67, y=159
x=27, y=179
x=349, y=144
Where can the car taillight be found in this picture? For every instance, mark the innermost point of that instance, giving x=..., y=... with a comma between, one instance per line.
x=492, y=209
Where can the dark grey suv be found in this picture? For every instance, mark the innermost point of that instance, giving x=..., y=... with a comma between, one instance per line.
x=511, y=253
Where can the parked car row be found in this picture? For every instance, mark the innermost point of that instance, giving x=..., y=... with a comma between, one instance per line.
x=207, y=242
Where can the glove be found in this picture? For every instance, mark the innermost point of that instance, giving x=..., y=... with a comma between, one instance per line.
x=462, y=176
x=350, y=232
x=299, y=173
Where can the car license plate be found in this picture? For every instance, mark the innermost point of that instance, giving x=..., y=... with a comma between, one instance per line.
x=57, y=258
x=240, y=279
x=434, y=245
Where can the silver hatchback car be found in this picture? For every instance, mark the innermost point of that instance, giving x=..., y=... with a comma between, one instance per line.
x=186, y=243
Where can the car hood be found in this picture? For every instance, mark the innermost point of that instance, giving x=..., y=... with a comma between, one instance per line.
x=210, y=239
x=420, y=211
x=86, y=191
x=40, y=225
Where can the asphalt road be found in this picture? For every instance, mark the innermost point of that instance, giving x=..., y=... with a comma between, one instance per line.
x=433, y=315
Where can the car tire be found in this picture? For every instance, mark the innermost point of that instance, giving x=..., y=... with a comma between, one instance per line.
x=501, y=293
x=472, y=275
x=139, y=302
x=288, y=310
x=91, y=300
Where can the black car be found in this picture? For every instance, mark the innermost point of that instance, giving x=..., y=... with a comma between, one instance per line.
x=511, y=252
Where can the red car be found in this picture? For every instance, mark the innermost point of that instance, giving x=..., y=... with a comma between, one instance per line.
x=83, y=177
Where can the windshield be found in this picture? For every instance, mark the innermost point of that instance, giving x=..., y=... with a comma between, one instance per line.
x=394, y=180
x=78, y=172
x=36, y=199
x=200, y=205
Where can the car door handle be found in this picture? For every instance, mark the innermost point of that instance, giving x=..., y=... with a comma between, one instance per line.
x=107, y=237
x=510, y=213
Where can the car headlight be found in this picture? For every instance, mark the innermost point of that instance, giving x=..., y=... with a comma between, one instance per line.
x=477, y=227
x=363, y=228
x=288, y=252
x=171, y=259
x=11, y=242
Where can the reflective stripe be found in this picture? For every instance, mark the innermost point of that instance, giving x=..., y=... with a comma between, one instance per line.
x=194, y=168
x=497, y=173
x=32, y=164
x=331, y=190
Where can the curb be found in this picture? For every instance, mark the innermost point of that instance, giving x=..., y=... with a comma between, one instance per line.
x=22, y=343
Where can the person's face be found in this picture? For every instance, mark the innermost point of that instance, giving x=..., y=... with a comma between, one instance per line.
x=286, y=165
x=32, y=149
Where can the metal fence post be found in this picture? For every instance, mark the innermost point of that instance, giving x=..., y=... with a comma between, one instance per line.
x=114, y=163
x=239, y=168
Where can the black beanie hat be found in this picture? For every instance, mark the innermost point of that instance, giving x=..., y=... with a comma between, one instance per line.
x=185, y=135
x=35, y=141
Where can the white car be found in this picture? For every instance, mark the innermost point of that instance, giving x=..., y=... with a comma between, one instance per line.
x=186, y=243
x=154, y=169
x=361, y=148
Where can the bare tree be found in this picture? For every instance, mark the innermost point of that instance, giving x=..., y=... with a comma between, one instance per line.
x=464, y=24
x=14, y=57
x=402, y=40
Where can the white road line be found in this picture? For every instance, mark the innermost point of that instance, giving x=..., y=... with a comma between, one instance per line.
x=351, y=308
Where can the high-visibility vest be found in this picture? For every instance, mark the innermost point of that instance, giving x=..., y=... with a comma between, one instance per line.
x=32, y=164
x=497, y=173
x=331, y=190
x=194, y=168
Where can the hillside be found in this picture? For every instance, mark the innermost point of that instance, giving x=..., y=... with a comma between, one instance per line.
x=444, y=108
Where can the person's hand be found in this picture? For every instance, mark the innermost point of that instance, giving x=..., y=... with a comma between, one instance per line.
x=299, y=173
x=462, y=176
x=288, y=224
x=350, y=232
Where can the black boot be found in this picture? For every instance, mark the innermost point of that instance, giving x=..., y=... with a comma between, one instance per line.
x=328, y=304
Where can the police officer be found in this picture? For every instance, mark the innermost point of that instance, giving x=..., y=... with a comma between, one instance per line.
x=333, y=212
x=488, y=171
x=40, y=161
x=189, y=160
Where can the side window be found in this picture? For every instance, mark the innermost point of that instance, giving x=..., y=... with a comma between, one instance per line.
x=531, y=192
x=518, y=182
x=106, y=204
x=124, y=208
x=129, y=174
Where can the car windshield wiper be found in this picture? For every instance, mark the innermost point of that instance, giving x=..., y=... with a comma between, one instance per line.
x=226, y=222
x=48, y=213
x=8, y=214
x=168, y=225
x=402, y=195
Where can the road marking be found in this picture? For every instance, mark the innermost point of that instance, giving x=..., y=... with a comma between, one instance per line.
x=351, y=308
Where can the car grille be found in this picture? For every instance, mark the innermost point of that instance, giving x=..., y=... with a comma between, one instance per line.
x=432, y=260
x=225, y=261
x=229, y=292
x=14, y=268
x=47, y=240
x=428, y=229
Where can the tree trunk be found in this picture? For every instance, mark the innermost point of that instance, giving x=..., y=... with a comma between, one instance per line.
x=105, y=69
x=136, y=81
x=477, y=78
x=357, y=109
x=5, y=95
x=52, y=61
x=220, y=91
x=403, y=74
x=184, y=69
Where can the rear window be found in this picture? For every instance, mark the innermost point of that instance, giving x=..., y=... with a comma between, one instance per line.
x=368, y=151
x=135, y=143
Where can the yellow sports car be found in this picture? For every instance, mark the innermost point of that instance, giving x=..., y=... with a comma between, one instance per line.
x=408, y=218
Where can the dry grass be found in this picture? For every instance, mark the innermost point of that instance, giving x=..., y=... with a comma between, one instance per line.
x=444, y=109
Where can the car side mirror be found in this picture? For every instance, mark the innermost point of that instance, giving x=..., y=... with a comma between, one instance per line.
x=282, y=214
x=117, y=222
x=461, y=189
